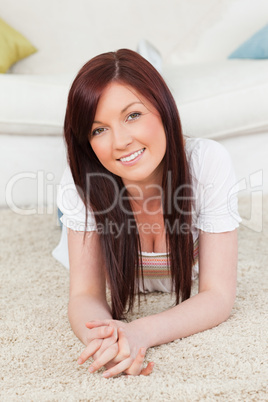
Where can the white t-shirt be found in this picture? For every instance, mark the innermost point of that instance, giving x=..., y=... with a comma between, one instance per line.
x=215, y=207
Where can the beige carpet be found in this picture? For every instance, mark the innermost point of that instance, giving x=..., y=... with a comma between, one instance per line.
x=39, y=350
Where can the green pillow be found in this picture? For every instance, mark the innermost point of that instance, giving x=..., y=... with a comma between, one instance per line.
x=13, y=46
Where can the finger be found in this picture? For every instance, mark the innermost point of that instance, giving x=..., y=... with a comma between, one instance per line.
x=97, y=323
x=137, y=365
x=119, y=368
x=100, y=333
x=89, y=350
x=123, y=367
x=123, y=345
x=106, y=344
x=107, y=355
x=148, y=369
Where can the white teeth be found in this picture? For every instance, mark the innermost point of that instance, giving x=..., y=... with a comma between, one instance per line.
x=132, y=156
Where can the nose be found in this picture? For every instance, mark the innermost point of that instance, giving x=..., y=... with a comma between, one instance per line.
x=121, y=137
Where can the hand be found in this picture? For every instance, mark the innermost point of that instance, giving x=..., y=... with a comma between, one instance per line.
x=108, y=341
x=97, y=330
x=96, y=336
x=103, y=331
x=112, y=351
x=134, y=335
x=128, y=364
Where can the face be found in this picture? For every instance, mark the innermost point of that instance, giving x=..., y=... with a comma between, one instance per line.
x=128, y=136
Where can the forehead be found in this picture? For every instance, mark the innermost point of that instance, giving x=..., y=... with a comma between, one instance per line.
x=119, y=96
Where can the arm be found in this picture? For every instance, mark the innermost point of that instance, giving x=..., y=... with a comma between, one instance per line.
x=88, y=302
x=87, y=298
x=214, y=302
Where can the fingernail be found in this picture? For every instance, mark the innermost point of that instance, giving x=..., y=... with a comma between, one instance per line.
x=106, y=374
x=91, y=369
x=79, y=361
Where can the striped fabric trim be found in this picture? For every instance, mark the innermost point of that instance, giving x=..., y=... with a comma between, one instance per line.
x=157, y=266
x=196, y=251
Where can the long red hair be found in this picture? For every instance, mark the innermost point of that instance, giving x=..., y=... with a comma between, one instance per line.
x=122, y=253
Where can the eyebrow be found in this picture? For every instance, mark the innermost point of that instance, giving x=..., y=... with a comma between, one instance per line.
x=122, y=111
x=131, y=104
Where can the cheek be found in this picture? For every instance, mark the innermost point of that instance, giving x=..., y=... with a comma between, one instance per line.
x=155, y=130
x=100, y=149
x=157, y=136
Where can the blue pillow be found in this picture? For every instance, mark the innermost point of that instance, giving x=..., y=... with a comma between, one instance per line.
x=254, y=48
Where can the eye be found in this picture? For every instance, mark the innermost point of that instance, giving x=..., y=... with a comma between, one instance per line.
x=133, y=116
x=98, y=131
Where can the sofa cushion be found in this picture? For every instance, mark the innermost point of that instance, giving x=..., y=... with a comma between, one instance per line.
x=13, y=46
x=33, y=104
x=222, y=99
x=255, y=47
x=215, y=100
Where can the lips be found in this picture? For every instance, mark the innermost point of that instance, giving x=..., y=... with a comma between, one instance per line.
x=132, y=156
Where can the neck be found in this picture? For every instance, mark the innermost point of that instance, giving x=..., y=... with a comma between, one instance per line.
x=146, y=196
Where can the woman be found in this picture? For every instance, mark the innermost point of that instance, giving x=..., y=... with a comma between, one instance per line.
x=149, y=209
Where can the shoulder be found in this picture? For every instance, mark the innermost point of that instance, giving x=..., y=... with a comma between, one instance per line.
x=67, y=191
x=207, y=159
x=198, y=149
x=67, y=177
x=72, y=206
x=214, y=186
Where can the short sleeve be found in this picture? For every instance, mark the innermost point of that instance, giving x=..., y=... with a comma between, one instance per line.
x=216, y=188
x=71, y=205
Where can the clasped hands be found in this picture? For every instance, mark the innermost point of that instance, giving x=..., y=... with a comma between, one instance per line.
x=115, y=345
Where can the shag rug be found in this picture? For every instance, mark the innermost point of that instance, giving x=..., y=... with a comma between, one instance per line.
x=39, y=350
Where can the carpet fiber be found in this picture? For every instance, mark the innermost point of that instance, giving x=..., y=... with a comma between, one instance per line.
x=39, y=350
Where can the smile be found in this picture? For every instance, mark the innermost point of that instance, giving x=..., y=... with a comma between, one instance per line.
x=132, y=156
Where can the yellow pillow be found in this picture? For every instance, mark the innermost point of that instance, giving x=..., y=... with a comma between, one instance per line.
x=13, y=46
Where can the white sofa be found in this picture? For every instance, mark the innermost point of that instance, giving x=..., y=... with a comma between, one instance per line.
x=217, y=98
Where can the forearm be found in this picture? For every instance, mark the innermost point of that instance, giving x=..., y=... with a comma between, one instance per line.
x=203, y=311
x=84, y=308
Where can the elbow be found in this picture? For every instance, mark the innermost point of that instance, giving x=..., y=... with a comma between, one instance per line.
x=70, y=311
x=225, y=305
x=220, y=305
